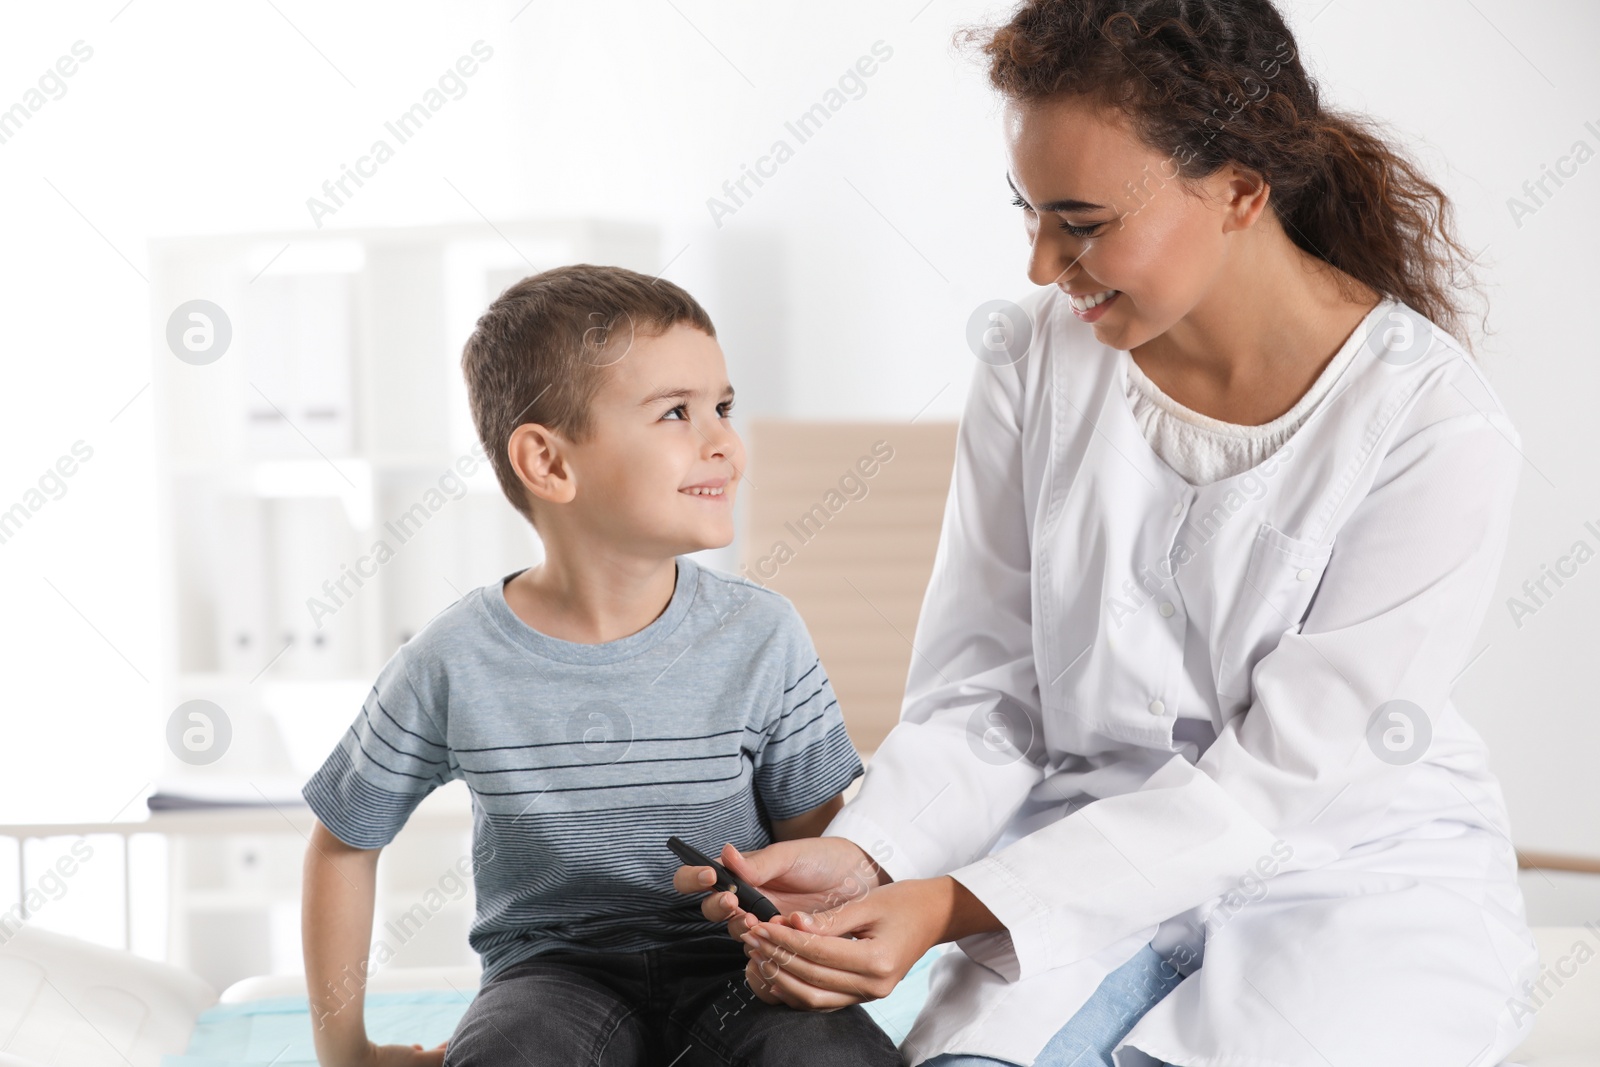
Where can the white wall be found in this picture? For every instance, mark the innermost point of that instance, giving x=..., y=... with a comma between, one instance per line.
x=872, y=244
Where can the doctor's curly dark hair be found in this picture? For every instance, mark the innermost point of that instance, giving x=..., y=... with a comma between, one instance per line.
x=1219, y=81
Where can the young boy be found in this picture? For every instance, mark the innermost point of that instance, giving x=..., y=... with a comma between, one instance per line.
x=595, y=704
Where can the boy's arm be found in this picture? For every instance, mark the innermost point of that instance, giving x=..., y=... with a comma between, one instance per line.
x=391, y=758
x=335, y=929
x=808, y=824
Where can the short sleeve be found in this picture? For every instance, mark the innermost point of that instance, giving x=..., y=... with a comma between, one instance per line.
x=805, y=757
x=390, y=758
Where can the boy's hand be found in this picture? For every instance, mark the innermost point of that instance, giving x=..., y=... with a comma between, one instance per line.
x=807, y=874
x=402, y=1056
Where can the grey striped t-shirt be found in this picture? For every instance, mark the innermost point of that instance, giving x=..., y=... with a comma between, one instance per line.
x=581, y=759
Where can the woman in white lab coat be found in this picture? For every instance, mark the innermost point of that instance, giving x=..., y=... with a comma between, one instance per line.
x=1178, y=769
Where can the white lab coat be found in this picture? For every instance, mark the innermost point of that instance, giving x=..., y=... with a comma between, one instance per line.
x=1139, y=709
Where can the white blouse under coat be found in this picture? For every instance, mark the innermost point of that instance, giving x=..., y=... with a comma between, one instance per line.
x=1204, y=449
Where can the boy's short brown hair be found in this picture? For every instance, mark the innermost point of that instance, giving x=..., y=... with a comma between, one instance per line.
x=539, y=353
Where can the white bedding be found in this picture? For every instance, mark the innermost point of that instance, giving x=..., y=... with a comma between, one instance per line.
x=69, y=1003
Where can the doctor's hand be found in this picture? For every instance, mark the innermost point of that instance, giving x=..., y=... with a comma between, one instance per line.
x=805, y=874
x=860, y=950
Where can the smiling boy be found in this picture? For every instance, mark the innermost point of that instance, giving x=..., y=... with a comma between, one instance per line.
x=613, y=695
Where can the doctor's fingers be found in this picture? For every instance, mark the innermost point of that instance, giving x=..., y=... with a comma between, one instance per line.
x=861, y=969
x=743, y=922
x=831, y=936
x=776, y=986
x=760, y=986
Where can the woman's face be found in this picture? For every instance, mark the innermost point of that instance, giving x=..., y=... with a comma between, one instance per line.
x=1104, y=212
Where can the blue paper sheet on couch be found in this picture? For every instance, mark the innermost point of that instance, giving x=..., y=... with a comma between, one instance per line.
x=277, y=1030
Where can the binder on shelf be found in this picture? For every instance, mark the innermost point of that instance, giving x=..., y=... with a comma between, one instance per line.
x=242, y=577
x=315, y=592
x=298, y=341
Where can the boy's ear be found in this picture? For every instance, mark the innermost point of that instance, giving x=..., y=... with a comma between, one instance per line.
x=541, y=459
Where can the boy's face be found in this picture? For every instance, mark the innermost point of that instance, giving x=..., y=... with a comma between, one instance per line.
x=658, y=473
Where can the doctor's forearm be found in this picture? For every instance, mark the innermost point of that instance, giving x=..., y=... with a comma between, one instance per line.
x=967, y=914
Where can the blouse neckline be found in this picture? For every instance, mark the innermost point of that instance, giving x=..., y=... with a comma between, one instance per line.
x=1319, y=388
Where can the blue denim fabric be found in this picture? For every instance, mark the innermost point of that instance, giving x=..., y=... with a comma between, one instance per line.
x=1105, y=1018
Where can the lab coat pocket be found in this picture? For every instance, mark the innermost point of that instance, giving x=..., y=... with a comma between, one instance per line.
x=1279, y=581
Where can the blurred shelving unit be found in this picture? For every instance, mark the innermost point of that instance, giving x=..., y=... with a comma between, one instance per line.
x=322, y=498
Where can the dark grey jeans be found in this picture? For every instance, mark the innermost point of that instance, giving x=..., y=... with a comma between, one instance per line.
x=682, y=1006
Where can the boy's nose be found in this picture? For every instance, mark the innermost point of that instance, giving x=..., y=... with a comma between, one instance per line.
x=722, y=441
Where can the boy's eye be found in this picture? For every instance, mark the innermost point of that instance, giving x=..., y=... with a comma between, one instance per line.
x=724, y=409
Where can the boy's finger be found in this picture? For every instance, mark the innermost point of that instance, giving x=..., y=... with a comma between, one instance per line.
x=683, y=879
x=746, y=867
x=688, y=879
x=722, y=907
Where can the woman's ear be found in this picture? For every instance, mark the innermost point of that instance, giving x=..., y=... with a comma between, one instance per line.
x=541, y=457
x=1245, y=194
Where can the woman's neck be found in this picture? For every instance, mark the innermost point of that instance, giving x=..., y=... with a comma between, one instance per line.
x=1271, y=322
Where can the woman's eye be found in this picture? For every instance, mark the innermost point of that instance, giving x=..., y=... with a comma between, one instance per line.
x=681, y=411
x=725, y=409
x=1076, y=231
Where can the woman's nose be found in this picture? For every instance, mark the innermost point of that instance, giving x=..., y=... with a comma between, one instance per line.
x=1053, y=260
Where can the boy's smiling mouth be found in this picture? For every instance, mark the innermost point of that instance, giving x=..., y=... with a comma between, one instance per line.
x=713, y=489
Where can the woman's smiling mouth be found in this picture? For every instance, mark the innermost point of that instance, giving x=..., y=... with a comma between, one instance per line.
x=1090, y=306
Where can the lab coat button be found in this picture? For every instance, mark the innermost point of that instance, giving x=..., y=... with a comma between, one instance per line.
x=1177, y=509
x=1304, y=574
x=1156, y=707
x=1166, y=608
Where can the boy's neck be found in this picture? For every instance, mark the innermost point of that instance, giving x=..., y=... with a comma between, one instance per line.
x=592, y=596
